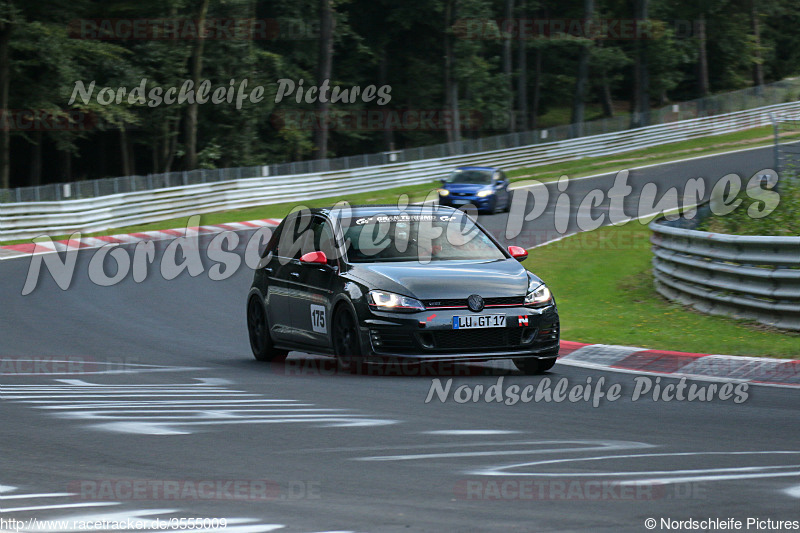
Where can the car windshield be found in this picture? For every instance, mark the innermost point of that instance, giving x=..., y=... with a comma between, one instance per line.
x=471, y=177
x=422, y=238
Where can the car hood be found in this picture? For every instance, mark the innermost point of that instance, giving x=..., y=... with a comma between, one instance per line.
x=466, y=187
x=446, y=279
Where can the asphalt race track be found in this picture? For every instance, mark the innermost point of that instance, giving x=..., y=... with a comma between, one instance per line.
x=142, y=401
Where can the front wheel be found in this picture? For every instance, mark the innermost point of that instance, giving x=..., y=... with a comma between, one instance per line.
x=346, y=342
x=260, y=341
x=495, y=204
x=534, y=366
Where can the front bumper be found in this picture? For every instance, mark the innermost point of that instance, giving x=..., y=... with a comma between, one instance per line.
x=429, y=335
x=454, y=200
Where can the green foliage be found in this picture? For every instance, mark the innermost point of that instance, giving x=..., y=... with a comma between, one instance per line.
x=401, y=44
x=748, y=219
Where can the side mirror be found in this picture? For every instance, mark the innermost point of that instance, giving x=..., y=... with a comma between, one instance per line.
x=314, y=258
x=517, y=252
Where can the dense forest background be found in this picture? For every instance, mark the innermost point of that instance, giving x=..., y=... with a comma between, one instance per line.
x=450, y=55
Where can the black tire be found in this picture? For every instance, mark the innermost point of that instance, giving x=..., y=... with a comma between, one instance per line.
x=494, y=209
x=346, y=341
x=260, y=341
x=534, y=366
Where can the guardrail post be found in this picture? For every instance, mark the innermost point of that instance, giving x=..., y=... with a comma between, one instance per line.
x=775, y=148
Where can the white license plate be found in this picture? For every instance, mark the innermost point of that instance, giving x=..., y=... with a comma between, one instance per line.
x=479, y=321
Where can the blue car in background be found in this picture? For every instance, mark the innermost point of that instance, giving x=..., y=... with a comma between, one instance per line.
x=484, y=187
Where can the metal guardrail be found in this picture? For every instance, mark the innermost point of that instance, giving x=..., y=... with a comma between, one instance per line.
x=756, y=278
x=29, y=219
x=755, y=97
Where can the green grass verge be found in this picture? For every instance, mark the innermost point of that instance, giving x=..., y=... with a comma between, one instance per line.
x=648, y=156
x=603, y=284
x=574, y=169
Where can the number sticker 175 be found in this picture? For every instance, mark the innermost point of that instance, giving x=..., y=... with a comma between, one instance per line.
x=318, y=322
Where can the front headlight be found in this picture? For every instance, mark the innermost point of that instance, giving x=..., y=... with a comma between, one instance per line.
x=443, y=192
x=538, y=296
x=485, y=193
x=389, y=301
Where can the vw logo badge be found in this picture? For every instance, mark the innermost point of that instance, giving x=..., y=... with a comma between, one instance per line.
x=475, y=303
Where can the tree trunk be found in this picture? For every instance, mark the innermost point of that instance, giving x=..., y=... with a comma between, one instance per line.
x=605, y=96
x=36, y=160
x=507, y=68
x=324, y=69
x=582, y=78
x=522, y=85
x=65, y=164
x=169, y=143
x=5, y=134
x=383, y=79
x=123, y=145
x=702, y=57
x=131, y=153
x=450, y=83
x=195, y=69
x=102, y=153
x=250, y=136
x=641, y=94
x=537, y=87
x=154, y=153
x=758, y=60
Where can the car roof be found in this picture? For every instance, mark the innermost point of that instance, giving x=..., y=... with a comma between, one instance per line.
x=391, y=209
x=476, y=168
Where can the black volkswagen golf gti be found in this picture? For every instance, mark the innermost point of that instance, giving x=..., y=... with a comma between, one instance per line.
x=377, y=283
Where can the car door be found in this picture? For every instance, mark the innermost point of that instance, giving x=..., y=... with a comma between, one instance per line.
x=276, y=297
x=311, y=298
x=503, y=194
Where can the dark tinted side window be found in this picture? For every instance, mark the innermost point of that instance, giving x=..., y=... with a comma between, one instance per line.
x=302, y=233
x=273, y=242
x=324, y=240
x=295, y=232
